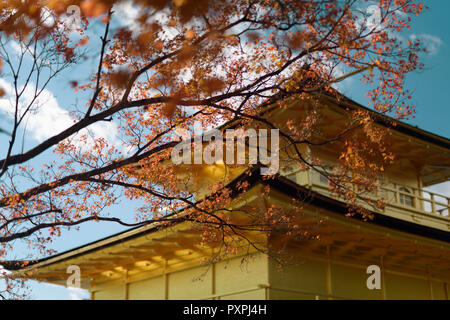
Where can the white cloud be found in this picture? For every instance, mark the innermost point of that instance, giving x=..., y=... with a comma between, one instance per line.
x=3, y=271
x=50, y=291
x=46, y=118
x=15, y=46
x=78, y=294
x=441, y=188
x=128, y=13
x=430, y=42
x=6, y=87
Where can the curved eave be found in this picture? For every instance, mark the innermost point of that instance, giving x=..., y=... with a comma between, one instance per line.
x=292, y=189
x=347, y=103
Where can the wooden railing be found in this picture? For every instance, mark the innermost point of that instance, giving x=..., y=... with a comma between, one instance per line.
x=397, y=195
x=418, y=199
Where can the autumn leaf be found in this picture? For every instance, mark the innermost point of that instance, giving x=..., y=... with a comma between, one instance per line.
x=211, y=85
x=83, y=41
x=169, y=108
x=94, y=8
x=119, y=79
x=189, y=35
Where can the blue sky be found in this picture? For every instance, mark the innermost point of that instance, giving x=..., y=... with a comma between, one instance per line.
x=430, y=87
x=430, y=96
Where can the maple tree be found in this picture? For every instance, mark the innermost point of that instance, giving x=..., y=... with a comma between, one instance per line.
x=184, y=62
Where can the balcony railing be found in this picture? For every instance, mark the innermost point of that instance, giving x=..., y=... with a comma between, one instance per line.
x=423, y=200
x=398, y=196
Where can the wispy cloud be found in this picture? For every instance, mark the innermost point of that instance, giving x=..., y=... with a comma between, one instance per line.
x=3, y=271
x=78, y=294
x=57, y=292
x=431, y=43
x=127, y=12
x=46, y=118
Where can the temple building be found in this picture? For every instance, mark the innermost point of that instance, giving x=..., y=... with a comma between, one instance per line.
x=408, y=241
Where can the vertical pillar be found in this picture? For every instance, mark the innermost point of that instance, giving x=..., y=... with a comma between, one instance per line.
x=328, y=275
x=92, y=297
x=310, y=178
x=420, y=186
x=445, y=291
x=430, y=285
x=383, y=283
x=127, y=286
x=166, y=281
x=213, y=279
x=433, y=203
